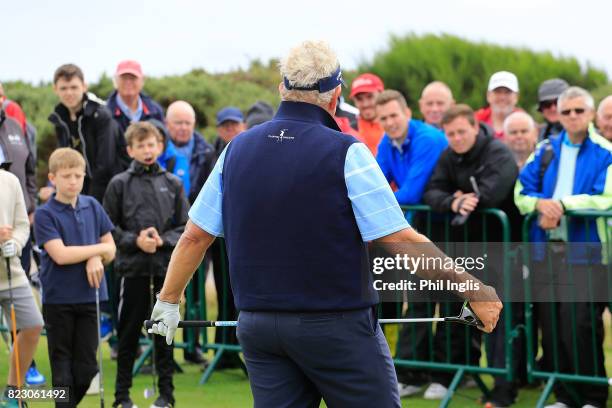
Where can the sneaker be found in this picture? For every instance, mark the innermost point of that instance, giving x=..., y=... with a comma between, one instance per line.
x=106, y=327
x=124, y=404
x=557, y=404
x=469, y=383
x=161, y=402
x=195, y=358
x=589, y=406
x=406, y=390
x=435, y=391
x=94, y=385
x=10, y=403
x=34, y=378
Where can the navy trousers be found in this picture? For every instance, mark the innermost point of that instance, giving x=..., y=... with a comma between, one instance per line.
x=295, y=359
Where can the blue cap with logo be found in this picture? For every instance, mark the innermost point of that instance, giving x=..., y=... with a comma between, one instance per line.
x=229, y=113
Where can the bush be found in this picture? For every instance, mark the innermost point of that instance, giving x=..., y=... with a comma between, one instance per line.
x=412, y=61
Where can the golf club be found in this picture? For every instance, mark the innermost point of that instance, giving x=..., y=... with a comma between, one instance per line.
x=466, y=316
x=14, y=326
x=150, y=392
x=100, y=373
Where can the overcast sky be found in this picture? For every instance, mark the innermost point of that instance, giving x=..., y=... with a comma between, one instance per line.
x=174, y=36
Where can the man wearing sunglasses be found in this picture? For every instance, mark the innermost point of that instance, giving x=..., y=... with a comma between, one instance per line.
x=577, y=177
x=548, y=93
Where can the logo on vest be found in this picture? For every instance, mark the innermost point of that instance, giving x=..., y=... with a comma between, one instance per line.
x=281, y=137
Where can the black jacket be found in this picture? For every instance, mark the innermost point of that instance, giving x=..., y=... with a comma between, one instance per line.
x=202, y=162
x=97, y=141
x=139, y=198
x=493, y=166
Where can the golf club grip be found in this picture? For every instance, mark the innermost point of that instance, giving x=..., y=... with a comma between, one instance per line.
x=196, y=323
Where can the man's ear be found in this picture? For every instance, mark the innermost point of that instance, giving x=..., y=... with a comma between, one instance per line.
x=333, y=104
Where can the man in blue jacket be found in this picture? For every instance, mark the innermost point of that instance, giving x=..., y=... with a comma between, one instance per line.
x=409, y=150
x=570, y=171
x=296, y=201
x=407, y=155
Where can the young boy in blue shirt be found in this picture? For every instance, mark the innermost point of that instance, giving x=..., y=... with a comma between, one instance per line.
x=148, y=206
x=75, y=234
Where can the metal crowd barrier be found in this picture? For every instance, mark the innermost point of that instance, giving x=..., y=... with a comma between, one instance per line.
x=556, y=376
x=442, y=230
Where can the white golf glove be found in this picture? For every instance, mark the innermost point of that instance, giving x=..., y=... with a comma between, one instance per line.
x=9, y=249
x=167, y=317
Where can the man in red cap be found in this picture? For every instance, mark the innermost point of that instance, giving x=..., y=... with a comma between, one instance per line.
x=364, y=90
x=128, y=103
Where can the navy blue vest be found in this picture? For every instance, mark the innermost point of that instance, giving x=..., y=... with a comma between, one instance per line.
x=292, y=239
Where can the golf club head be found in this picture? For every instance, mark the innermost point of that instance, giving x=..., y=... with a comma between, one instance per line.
x=466, y=316
x=148, y=393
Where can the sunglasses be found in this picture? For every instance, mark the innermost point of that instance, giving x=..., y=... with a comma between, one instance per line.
x=547, y=105
x=577, y=111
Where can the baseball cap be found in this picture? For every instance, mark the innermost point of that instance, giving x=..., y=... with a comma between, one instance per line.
x=229, y=113
x=129, y=67
x=551, y=89
x=503, y=79
x=366, y=83
x=258, y=113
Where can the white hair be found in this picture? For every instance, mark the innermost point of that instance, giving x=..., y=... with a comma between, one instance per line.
x=305, y=65
x=180, y=106
x=603, y=103
x=574, y=92
x=518, y=115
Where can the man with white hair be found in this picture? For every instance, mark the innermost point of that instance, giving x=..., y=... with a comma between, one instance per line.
x=604, y=117
x=436, y=98
x=570, y=171
x=296, y=201
x=521, y=136
x=502, y=96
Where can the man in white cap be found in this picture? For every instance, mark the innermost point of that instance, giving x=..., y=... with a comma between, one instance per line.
x=502, y=96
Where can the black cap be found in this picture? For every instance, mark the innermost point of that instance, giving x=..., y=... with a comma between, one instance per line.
x=259, y=113
x=551, y=89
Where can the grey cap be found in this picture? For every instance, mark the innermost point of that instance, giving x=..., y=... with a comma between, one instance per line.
x=551, y=89
x=259, y=113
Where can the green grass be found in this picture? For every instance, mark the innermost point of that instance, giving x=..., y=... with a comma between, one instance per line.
x=230, y=388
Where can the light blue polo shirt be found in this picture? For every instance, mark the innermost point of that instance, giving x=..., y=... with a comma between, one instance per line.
x=375, y=207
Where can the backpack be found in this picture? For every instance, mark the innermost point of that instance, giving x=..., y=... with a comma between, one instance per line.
x=547, y=155
x=30, y=132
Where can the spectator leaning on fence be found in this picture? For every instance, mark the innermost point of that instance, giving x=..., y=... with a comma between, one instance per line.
x=570, y=171
x=521, y=136
x=502, y=97
x=306, y=321
x=14, y=234
x=364, y=90
x=409, y=149
x=75, y=234
x=436, y=99
x=407, y=155
x=472, y=152
x=604, y=117
x=548, y=94
x=86, y=126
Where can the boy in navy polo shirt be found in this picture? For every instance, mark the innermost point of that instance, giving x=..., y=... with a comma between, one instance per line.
x=149, y=208
x=75, y=234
